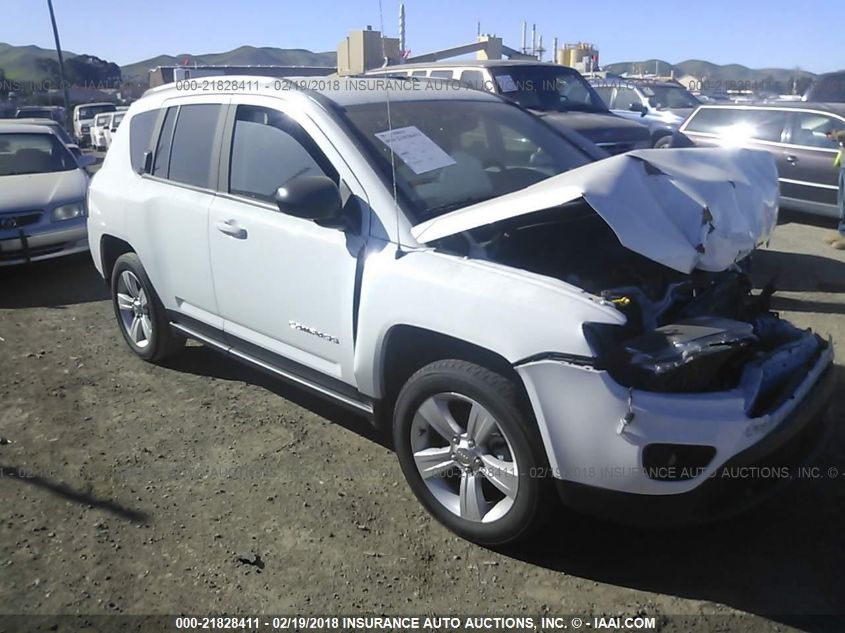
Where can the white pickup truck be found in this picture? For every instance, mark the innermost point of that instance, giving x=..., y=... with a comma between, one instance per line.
x=522, y=315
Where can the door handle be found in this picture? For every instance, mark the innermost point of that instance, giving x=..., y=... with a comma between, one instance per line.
x=792, y=159
x=230, y=228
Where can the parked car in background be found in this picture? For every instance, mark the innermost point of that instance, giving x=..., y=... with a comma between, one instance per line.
x=98, y=129
x=557, y=93
x=113, y=122
x=57, y=128
x=793, y=133
x=522, y=315
x=83, y=117
x=661, y=105
x=827, y=88
x=42, y=195
x=53, y=113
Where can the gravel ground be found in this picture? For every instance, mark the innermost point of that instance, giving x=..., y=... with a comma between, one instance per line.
x=203, y=486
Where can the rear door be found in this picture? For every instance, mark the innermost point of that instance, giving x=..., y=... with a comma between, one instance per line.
x=175, y=199
x=809, y=173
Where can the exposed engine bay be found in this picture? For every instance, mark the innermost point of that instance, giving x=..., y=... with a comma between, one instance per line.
x=697, y=332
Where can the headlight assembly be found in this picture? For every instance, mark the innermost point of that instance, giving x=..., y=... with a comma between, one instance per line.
x=68, y=212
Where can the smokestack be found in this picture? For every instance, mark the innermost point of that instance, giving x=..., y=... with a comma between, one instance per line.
x=554, y=50
x=534, y=39
x=540, y=49
x=402, y=31
x=524, y=35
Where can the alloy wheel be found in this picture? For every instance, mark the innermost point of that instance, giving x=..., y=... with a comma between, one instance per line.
x=464, y=457
x=133, y=303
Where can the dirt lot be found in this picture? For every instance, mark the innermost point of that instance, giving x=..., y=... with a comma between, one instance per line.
x=131, y=488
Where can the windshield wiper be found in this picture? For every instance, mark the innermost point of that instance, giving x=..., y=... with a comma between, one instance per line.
x=456, y=205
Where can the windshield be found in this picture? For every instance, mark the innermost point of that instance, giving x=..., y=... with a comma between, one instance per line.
x=451, y=153
x=34, y=114
x=547, y=88
x=669, y=97
x=90, y=112
x=33, y=154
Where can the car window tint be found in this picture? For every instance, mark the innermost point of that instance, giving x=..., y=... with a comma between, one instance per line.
x=193, y=145
x=140, y=137
x=162, y=154
x=441, y=74
x=474, y=78
x=624, y=98
x=268, y=150
x=766, y=125
x=810, y=129
x=605, y=93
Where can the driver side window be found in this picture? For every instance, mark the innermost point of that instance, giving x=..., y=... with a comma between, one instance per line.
x=269, y=149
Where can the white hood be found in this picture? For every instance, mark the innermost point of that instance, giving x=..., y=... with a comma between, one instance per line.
x=42, y=191
x=685, y=208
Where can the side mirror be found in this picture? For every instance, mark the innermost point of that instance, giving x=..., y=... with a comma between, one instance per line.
x=147, y=165
x=638, y=107
x=314, y=198
x=86, y=160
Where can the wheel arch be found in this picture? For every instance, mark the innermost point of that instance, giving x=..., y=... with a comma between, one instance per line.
x=111, y=248
x=407, y=348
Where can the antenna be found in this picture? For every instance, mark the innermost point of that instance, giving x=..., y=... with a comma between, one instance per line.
x=399, y=252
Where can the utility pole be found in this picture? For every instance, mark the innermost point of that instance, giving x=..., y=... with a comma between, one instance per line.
x=61, y=65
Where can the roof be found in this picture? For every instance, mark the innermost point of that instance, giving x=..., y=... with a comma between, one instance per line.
x=478, y=63
x=24, y=128
x=33, y=121
x=344, y=91
x=94, y=103
x=833, y=108
x=40, y=107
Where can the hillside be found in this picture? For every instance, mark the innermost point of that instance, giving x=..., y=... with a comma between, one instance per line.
x=243, y=56
x=716, y=75
x=21, y=63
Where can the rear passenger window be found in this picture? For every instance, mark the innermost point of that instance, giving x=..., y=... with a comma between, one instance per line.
x=268, y=150
x=441, y=74
x=140, y=137
x=761, y=125
x=193, y=145
x=712, y=120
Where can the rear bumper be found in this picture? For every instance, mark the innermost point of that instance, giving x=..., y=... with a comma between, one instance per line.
x=26, y=247
x=748, y=478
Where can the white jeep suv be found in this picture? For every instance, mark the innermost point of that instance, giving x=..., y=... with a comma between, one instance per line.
x=522, y=315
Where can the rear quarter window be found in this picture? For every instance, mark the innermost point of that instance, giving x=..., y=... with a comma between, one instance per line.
x=140, y=137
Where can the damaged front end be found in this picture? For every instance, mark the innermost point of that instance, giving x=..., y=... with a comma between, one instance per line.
x=707, y=333
x=665, y=237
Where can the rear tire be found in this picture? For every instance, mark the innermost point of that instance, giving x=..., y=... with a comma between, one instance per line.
x=489, y=481
x=140, y=314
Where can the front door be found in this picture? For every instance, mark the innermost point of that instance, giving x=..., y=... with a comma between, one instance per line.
x=283, y=284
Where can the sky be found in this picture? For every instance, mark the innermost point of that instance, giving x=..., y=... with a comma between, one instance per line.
x=784, y=34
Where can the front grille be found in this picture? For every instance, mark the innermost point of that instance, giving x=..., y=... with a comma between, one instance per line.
x=17, y=220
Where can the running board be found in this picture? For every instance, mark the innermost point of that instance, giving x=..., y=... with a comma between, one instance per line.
x=358, y=405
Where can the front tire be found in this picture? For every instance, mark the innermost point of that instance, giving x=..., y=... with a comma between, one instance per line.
x=471, y=453
x=140, y=313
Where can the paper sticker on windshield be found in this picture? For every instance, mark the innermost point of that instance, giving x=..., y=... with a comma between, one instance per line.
x=415, y=149
x=506, y=83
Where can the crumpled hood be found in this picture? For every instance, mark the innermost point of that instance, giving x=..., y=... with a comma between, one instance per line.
x=599, y=128
x=41, y=191
x=687, y=208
